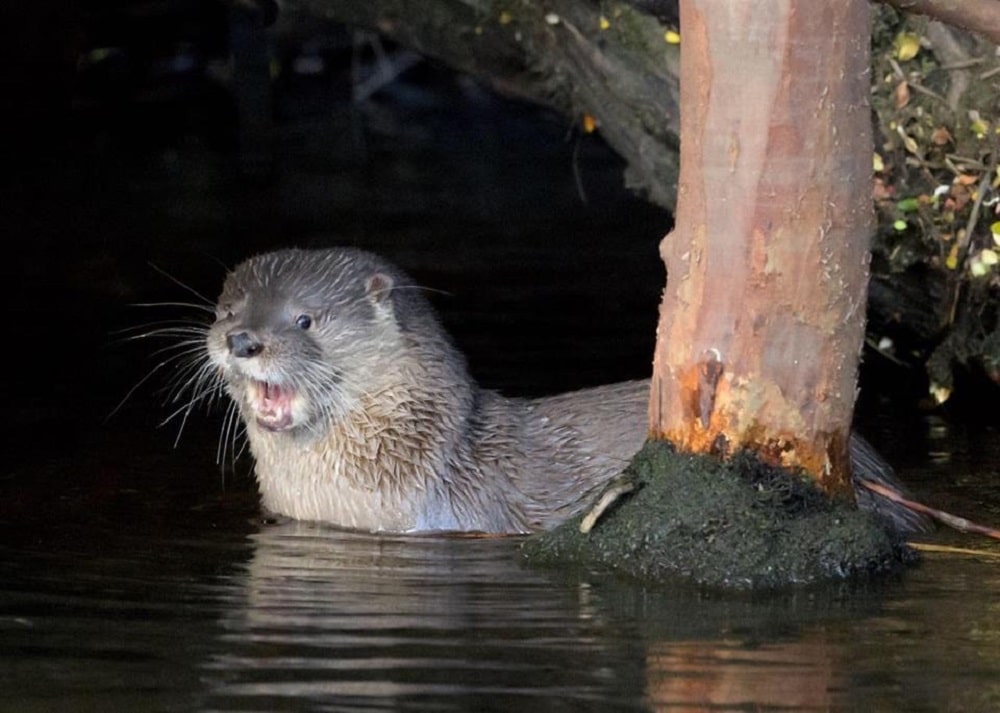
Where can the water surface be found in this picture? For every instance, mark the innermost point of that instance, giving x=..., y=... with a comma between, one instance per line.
x=174, y=594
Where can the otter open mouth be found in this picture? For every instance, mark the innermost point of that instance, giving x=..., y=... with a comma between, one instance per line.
x=272, y=405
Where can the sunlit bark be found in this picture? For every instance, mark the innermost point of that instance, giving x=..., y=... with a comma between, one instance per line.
x=762, y=320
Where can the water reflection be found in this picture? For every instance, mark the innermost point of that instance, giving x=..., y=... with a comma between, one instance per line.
x=796, y=675
x=215, y=613
x=347, y=621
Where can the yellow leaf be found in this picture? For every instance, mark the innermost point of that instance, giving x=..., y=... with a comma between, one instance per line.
x=908, y=141
x=604, y=22
x=951, y=262
x=977, y=268
x=989, y=257
x=907, y=45
x=506, y=18
x=995, y=231
x=878, y=165
x=589, y=124
x=939, y=392
x=672, y=37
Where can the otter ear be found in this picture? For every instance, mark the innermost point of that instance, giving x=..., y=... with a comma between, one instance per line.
x=379, y=289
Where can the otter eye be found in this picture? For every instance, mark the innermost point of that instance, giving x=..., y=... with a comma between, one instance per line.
x=303, y=321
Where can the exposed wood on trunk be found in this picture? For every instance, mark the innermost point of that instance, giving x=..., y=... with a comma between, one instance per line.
x=762, y=320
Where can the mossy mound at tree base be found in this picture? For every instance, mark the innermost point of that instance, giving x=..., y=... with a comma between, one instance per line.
x=735, y=524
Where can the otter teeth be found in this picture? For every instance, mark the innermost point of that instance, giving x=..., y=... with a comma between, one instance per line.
x=272, y=404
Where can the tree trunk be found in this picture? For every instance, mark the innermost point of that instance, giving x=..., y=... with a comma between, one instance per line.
x=762, y=321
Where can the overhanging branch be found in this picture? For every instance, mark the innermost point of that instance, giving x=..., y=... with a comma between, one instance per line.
x=610, y=62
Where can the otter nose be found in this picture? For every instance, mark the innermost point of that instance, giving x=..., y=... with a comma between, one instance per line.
x=243, y=344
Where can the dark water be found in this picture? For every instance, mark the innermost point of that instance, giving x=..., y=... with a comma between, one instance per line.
x=135, y=575
x=151, y=585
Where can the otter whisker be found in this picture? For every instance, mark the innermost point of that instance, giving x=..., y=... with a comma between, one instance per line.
x=181, y=284
x=190, y=376
x=201, y=306
x=193, y=382
x=167, y=329
x=186, y=342
x=189, y=355
x=232, y=430
x=135, y=387
x=185, y=410
x=188, y=350
x=321, y=384
x=400, y=288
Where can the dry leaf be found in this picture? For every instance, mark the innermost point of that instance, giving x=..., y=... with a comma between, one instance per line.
x=941, y=136
x=902, y=94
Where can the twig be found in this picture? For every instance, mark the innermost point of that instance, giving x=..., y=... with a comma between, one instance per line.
x=388, y=67
x=929, y=92
x=948, y=549
x=967, y=162
x=618, y=488
x=953, y=521
x=962, y=64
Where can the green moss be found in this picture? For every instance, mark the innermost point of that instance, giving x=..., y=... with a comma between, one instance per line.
x=735, y=524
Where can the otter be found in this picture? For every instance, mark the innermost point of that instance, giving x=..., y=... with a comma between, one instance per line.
x=360, y=411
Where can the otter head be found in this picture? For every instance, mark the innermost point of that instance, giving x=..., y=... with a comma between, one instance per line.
x=301, y=336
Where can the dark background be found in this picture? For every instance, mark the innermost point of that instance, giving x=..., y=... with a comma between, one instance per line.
x=146, y=151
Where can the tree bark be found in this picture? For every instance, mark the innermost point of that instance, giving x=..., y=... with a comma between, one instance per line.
x=762, y=321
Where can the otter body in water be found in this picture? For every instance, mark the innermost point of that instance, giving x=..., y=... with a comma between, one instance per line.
x=360, y=412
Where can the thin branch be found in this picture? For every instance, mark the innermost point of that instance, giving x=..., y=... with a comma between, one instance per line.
x=953, y=521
